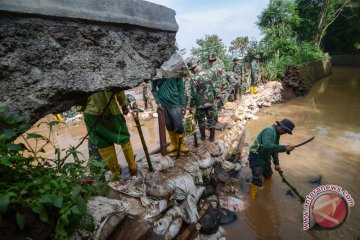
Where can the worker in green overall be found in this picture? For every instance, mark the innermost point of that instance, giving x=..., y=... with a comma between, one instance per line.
x=108, y=128
x=265, y=147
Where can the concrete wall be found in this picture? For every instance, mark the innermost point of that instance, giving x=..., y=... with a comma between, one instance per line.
x=346, y=60
x=312, y=71
x=299, y=79
x=54, y=53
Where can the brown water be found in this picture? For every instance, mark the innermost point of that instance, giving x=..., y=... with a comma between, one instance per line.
x=65, y=135
x=331, y=113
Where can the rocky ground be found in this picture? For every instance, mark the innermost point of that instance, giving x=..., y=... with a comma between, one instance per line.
x=170, y=200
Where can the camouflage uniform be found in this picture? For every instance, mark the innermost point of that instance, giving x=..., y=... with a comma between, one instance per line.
x=203, y=94
x=217, y=74
x=187, y=87
x=238, y=70
x=146, y=96
x=254, y=73
x=131, y=101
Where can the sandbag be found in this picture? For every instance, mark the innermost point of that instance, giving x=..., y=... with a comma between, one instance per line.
x=107, y=214
x=174, y=229
x=173, y=68
x=156, y=185
x=159, y=162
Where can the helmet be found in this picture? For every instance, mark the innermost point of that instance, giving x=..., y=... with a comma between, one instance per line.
x=235, y=59
x=257, y=56
x=212, y=57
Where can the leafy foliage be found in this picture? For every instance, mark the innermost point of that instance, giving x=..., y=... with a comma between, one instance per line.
x=277, y=22
x=239, y=46
x=211, y=44
x=276, y=67
x=282, y=49
x=42, y=185
x=343, y=36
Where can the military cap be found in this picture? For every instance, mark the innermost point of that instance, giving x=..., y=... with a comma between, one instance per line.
x=212, y=57
x=191, y=63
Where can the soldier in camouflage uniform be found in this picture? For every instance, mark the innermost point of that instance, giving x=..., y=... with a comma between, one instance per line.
x=238, y=70
x=203, y=95
x=146, y=96
x=254, y=74
x=217, y=74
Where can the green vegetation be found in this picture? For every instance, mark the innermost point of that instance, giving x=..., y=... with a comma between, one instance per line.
x=55, y=189
x=295, y=31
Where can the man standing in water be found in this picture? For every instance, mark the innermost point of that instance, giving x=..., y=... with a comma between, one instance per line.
x=106, y=126
x=265, y=146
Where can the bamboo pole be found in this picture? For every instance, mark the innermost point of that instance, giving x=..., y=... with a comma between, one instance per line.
x=138, y=126
x=301, y=198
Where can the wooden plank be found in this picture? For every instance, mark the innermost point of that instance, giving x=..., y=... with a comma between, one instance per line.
x=132, y=228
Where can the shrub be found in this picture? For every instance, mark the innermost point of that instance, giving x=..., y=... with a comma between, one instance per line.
x=29, y=181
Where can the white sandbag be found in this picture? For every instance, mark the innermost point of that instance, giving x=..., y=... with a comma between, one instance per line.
x=159, y=162
x=132, y=187
x=205, y=160
x=173, y=229
x=194, y=170
x=107, y=214
x=153, y=207
x=157, y=186
x=162, y=225
x=233, y=203
x=173, y=68
x=185, y=191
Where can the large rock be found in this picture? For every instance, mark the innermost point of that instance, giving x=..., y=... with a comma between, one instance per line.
x=54, y=53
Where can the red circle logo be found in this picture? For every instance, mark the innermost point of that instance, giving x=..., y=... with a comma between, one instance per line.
x=329, y=210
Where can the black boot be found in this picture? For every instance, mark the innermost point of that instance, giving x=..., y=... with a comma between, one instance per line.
x=202, y=133
x=212, y=135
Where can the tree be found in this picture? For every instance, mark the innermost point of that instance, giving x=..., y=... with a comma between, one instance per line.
x=317, y=16
x=343, y=36
x=238, y=46
x=211, y=44
x=308, y=11
x=277, y=22
x=330, y=11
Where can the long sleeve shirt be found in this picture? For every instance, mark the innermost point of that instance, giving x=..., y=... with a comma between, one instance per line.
x=97, y=102
x=169, y=92
x=203, y=90
x=266, y=145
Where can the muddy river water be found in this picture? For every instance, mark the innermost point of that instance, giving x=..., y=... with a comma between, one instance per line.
x=331, y=113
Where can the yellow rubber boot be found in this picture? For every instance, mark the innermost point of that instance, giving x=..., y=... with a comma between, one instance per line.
x=253, y=191
x=129, y=156
x=182, y=146
x=58, y=117
x=173, y=142
x=108, y=154
x=251, y=90
x=255, y=89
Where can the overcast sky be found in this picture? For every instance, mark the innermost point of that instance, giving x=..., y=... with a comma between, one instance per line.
x=226, y=18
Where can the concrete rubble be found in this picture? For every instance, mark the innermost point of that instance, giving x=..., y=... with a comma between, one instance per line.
x=55, y=53
x=172, y=195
